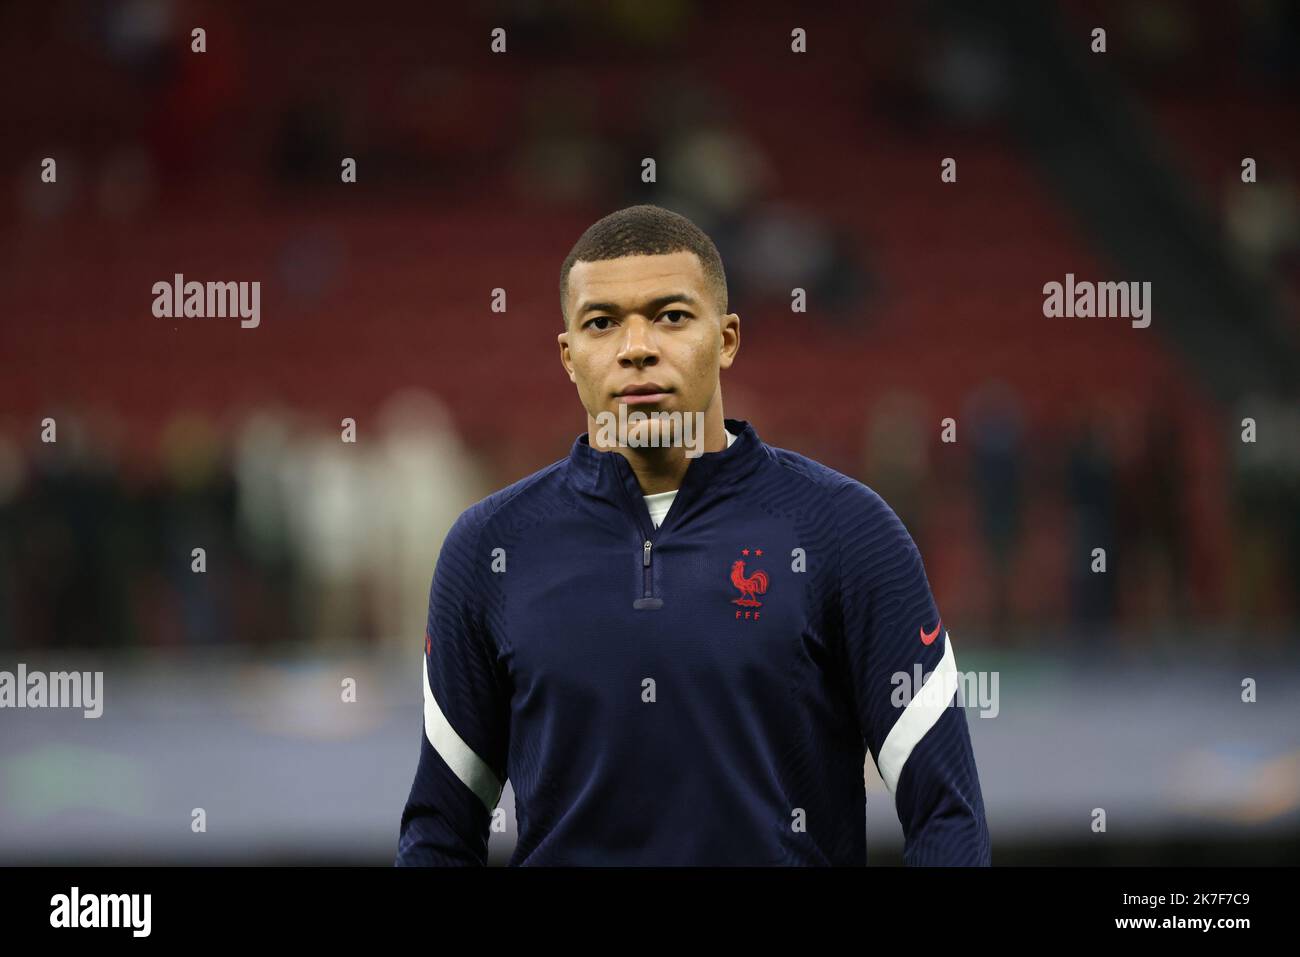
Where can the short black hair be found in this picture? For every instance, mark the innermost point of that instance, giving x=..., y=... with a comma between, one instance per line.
x=645, y=230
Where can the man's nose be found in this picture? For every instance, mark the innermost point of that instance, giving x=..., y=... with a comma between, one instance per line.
x=639, y=347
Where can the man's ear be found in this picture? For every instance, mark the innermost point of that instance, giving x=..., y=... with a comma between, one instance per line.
x=730, y=340
x=563, y=340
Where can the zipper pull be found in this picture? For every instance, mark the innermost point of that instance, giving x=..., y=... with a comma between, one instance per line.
x=647, y=601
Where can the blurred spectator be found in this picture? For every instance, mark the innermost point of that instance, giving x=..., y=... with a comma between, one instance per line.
x=996, y=435
x=1153, y=541
x=1263, y=218
x=1093, y=496
x=897, y=456
x=424, y=478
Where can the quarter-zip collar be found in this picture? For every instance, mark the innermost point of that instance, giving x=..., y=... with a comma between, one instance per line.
x=609, y=475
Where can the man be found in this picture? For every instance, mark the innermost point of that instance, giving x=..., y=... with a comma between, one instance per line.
x=680, y=658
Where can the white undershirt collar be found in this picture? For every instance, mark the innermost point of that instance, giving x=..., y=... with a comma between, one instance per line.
x=660, y=502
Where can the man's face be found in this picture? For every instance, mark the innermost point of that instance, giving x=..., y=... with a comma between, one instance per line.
x=646, y=324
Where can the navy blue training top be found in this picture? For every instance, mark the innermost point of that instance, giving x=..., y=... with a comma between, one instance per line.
x=703, y=693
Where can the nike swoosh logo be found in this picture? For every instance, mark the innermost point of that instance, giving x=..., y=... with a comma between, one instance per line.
x=927, y=639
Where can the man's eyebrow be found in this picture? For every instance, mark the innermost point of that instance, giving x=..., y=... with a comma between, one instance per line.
x=654, y=304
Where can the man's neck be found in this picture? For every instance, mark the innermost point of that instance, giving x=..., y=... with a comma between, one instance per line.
x=662, y=469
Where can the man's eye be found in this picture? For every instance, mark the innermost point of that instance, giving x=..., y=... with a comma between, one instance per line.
x=676, y=312
x=592, y=323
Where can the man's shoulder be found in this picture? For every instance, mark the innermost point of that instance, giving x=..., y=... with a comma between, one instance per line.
x=835, y=488
x=541, y=489
x=857, y=512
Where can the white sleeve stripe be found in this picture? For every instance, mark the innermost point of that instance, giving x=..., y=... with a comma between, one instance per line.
x=464, y=763
x=920, y=715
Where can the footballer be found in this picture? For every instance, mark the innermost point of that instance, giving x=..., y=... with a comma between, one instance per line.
x=681, y=657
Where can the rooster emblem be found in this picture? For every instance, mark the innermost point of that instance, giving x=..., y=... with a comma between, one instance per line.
x=749, y=585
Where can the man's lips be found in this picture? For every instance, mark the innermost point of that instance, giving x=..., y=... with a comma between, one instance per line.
x=644, y=394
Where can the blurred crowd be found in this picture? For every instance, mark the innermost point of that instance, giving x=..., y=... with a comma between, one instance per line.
x=1009, y=520
x=309, y=538
x=304, y=536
